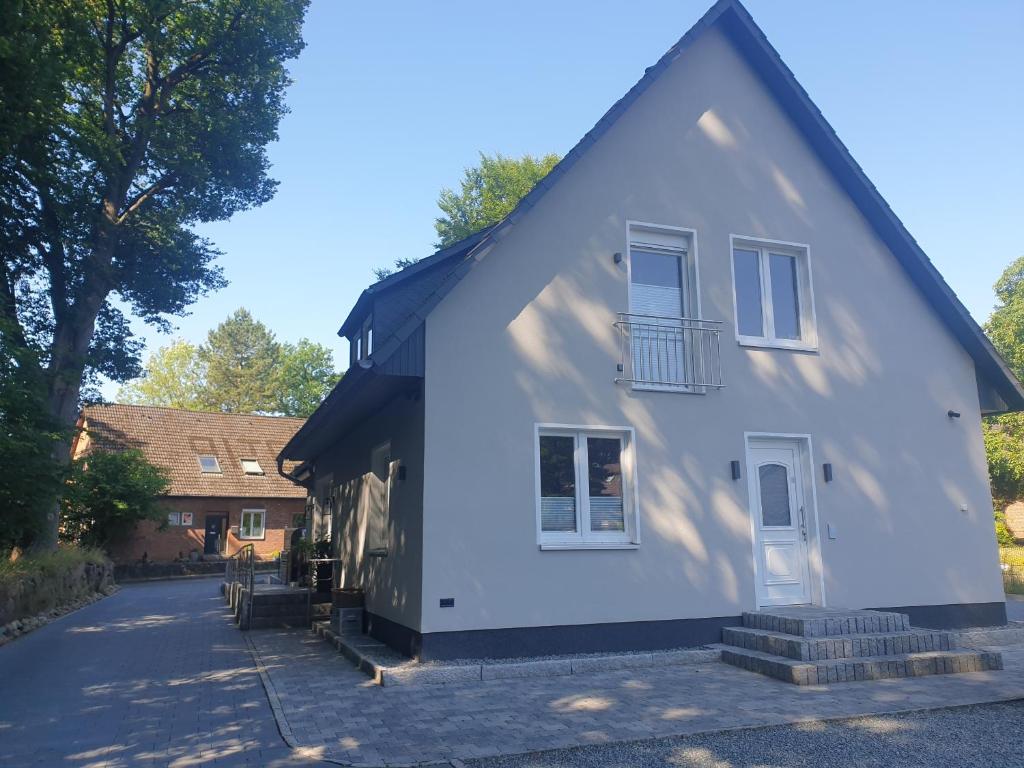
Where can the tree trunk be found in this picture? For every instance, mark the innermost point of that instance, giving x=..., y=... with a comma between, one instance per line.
x=70, y=348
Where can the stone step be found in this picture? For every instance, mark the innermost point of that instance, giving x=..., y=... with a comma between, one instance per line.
x=279, y=622
x=838, y=646
x=807, y=621
x=862, y=668
x=261, y=610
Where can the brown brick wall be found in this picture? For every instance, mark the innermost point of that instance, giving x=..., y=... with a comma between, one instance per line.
x=178, y=541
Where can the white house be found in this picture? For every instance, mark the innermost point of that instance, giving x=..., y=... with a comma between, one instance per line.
x=700, y=369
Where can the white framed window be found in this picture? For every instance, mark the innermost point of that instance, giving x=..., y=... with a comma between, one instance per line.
x=209, y=465
x=585, y=487
x=174, y=518
x=664, y=299
x=252, y=526
x=251, y=467
x=772, y=294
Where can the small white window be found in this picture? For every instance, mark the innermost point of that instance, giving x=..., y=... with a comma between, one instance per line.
x=209, y=465
x=772, y=291
x=251, y=467
x=252, y=524
x=585, y=487
x=174, y=518
x=366, y=338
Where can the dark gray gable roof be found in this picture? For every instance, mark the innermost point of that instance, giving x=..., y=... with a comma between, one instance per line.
x=748, y=38
x=402, y=278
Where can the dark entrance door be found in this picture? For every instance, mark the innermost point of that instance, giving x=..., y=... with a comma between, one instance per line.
x=214, y=539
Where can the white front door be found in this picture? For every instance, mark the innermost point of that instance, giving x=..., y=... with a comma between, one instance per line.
x=779, y=511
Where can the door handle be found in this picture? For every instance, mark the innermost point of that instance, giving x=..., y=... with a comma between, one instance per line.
x=803, y=523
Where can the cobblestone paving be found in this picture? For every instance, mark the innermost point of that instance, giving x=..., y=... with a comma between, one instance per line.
x=323, y=702
x=155, y=675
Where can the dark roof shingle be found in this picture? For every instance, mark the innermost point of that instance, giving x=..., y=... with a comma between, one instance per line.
x=175, y=439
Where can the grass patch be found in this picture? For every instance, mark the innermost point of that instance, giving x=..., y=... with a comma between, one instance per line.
x=49, y=564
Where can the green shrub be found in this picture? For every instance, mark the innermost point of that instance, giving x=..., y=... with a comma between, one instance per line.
x=108, y=494
x=1003, y=535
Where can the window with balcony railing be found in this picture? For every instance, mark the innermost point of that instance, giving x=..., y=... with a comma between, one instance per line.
x=670, y=353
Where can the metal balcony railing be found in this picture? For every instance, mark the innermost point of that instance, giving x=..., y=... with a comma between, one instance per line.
x=673, y=353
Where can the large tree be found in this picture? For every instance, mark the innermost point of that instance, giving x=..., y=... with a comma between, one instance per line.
x=1004, y=435
x=174, y=377
x=134, y=120
x=240, y=368
x=488, y=192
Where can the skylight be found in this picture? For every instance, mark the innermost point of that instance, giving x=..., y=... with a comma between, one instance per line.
x=251, y=467
x=209, y=465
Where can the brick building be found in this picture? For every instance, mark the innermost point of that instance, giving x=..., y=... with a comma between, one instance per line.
x=226, y=490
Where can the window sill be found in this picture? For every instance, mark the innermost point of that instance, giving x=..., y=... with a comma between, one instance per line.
x=552, y=545
x=769, y=344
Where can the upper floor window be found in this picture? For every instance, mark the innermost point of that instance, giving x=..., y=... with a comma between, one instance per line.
x=209, y=465
x=251, y=467
x=584, y=487
x=361, y=345
x=772, y=288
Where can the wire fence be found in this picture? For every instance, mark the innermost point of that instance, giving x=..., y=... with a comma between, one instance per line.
x=1011, y=560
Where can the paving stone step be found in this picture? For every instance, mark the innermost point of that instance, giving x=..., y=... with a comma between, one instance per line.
x=323, y=609
x=277, y=622
x=839, y=646
x=808, y=621
x=862, y=668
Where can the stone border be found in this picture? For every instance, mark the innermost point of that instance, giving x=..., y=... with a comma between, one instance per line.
x=1011, y=634
x=21, y=627
x=359, y=650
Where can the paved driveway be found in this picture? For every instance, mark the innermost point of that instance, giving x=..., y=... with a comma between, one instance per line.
x=154, y=675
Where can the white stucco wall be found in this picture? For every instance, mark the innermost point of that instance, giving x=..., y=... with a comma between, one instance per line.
x=527, y=337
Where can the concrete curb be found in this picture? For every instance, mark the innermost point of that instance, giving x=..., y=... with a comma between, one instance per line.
x=356, y=650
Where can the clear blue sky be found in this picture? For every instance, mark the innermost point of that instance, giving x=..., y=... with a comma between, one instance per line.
x=391, y=102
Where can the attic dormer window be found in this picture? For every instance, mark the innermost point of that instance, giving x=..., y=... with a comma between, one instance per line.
x=361, y=345
x=209, y=465
x=251, y=467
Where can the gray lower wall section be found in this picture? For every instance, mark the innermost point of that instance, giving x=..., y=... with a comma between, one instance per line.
x=514, y=642
x=954, y=615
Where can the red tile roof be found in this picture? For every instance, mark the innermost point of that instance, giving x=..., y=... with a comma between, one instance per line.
x=175, y=439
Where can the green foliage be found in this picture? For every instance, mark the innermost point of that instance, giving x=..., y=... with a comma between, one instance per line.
x=1006, y=325
x=173, y=378
x=49, y=564
x=488, y=192
x=1003, y=535
x=1004, y=449
x=305, y=376
x=30, y=477
x=241, y=368
x=107, y=494
x=241, y=357
x=123, y=124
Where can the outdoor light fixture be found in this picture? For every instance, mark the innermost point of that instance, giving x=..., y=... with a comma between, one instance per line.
x=734, y=465
x=827, y=468
x=617, y=258
x=401, y=472
x=953, y=414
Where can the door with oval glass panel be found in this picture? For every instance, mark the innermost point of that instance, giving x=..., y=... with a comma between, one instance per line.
x=780, y=522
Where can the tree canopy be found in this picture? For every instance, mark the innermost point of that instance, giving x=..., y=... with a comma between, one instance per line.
x=124, y=124
x=107, y=494
x=241, y=368
x=1004, y=435
x=488, y=192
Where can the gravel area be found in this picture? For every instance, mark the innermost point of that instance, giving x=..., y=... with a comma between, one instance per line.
x=980, y=736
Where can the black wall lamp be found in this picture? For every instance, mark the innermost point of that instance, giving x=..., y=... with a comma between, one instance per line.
x=734, y=466
x=827, y=469
x=953, y=414
x=617, y=258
